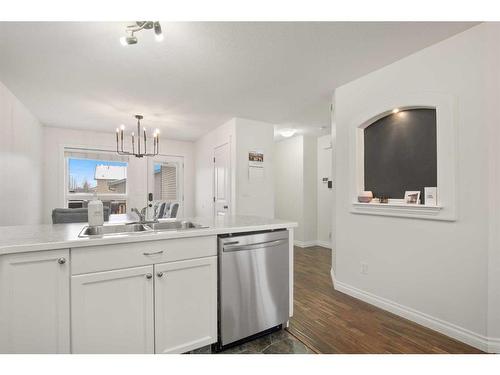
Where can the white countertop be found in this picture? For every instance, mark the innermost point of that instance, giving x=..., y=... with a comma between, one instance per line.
x=23, y=238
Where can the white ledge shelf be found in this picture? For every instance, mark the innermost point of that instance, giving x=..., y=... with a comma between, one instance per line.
x=420, y=211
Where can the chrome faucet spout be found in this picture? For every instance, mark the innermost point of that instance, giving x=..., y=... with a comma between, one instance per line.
x=142, y=215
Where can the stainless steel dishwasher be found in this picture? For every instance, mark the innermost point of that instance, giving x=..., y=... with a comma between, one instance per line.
x=253, y=284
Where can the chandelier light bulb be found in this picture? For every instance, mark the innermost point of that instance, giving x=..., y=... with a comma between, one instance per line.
x=123, y=41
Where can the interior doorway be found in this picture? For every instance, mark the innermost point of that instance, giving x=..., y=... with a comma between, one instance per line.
x=222, y=180
x=166, y=187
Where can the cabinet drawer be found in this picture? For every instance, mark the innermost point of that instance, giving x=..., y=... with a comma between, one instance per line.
x=109, y=257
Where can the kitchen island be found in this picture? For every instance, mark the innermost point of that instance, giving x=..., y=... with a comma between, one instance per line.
x=146, y=292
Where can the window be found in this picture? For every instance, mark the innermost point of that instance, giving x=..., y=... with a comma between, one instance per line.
x=89, y=172
x=165, y=185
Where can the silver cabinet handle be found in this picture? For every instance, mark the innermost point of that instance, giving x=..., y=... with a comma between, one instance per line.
x=61, y=260
x=149, y=276
x=154, y=253
x=159, y=274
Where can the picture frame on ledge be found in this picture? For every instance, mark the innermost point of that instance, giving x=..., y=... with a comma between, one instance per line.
x=412, y=197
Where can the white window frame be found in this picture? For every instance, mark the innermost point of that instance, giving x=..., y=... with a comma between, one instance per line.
x=169, y=159
x=88, y=196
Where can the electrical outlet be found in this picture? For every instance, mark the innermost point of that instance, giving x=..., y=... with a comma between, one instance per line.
x=364, y=268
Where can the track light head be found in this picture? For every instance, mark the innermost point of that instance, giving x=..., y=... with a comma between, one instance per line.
x=138, y=26
x=127, y=40
x=158, y=32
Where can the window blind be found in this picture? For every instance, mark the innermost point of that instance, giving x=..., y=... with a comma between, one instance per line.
x=169, y=182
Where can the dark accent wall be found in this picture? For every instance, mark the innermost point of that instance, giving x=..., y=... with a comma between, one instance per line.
x=401, y=153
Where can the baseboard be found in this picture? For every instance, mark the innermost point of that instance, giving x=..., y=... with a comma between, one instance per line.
x=311, y=243
x=326, y=244
x=304, y=243
x=493, y=345
x=481, y=342
x=332, y=274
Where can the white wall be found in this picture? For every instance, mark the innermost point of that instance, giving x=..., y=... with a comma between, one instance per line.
x=492, y=113
x=54, y=141
x=20, y=162
x=247, y=198
x=324, y=194
x=295, y=169
x=310, y=193
x=430, y=271
x=254, y=197
x=288, y=182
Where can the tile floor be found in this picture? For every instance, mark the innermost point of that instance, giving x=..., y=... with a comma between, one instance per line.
x=279, y=342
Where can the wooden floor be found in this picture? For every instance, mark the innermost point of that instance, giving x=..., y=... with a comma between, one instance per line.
x=328, y=321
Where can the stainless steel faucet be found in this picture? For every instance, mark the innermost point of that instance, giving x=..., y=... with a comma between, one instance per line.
x=142, y=215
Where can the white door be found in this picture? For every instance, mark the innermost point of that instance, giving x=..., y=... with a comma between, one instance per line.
x=185, y=305
x=112, y=311
x=165, y=183
x=34, y=302
x=222, y=180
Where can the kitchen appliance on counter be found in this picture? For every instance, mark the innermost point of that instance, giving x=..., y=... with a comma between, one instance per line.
x=253, y=284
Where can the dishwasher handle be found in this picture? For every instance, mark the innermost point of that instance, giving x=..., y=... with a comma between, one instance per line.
x=253, y=246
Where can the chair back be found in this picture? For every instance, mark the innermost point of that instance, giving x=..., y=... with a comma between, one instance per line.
x=174, y=209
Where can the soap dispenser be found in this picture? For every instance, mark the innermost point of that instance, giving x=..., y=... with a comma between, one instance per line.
x=95, y=212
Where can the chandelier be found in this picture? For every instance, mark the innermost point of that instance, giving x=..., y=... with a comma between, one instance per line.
x=140, y=153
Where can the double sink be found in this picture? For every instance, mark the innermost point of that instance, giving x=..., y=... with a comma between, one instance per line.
x=109, y=230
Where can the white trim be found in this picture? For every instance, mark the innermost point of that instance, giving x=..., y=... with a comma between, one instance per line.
x=332, y=275
x=178, y=161
x=419, y=211
x=291, y=272
x=493, y=345
x=446, y=132
x=231, y=196
x=67, y=196
x=481, y=342
x=304, y=244
x=326, y=244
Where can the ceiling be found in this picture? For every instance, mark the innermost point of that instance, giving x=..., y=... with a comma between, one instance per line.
x=77, y=75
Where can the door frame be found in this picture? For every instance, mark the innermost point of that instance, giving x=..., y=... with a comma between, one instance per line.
x=230, y=176
x=179, y=160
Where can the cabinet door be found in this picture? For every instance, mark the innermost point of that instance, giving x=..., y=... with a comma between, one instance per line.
x=34, y=302
x=185, y=305
x=112, y=311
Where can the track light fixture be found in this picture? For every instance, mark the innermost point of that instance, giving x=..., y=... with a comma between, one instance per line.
x=138, y=26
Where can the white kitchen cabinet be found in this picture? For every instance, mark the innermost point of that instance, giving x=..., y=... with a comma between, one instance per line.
x=185, y=305
x=112, y=311
x=35, y=302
